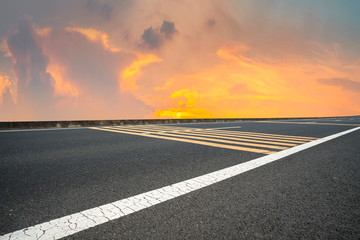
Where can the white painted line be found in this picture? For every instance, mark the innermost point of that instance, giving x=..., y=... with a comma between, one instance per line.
x=42, y=129
x=224, y=127
x=71, y=224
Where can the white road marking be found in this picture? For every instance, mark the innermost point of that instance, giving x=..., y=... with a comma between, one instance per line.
x=42, y=129
x=71, y=224
x=175, y=131
x=72, y=128
x=225, y=127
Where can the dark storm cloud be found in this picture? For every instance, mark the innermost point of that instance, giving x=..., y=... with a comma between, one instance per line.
x=168, y=28
x=344, y=83
x=154, y=38
x=104, y=9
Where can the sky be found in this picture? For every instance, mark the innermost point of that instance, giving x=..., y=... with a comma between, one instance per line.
x=136, y=59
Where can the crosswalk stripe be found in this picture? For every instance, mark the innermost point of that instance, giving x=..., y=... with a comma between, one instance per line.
x=238, y=140
x=190, y=141
x=216, y=135
x=285, y=138
x=217, y=140
x=257, y=137
x=158, y=127
x=271, y=135
x=235, y=138
x=226, y=133
x=218, y=130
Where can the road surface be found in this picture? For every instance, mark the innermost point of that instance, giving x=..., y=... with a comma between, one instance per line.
x=236, y=180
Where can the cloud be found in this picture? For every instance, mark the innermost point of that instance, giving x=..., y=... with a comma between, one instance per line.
x=231, y=59
x=89, y=70
x=184, y=103
x=104, y=9
x=95, y=36
x=29, y=63
x=344, y=83
x=154, y=38
x=246, y=85
x=131, y=74
x=5, y=86
x=168, y=28
x=70, y=73
x=86, y=59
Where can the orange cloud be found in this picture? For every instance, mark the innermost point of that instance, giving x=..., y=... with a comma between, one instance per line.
x=43, y=31
x=63, y=73
x=62, y=87
x=6, y=86
x=95, y=36
x=220, y=65
x=265, y=88
x=129, y=76
x=183, y=102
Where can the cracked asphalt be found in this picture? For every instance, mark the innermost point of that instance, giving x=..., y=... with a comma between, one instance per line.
x=313, y=194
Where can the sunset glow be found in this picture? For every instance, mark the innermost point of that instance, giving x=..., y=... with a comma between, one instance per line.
x=145, y=59
x=128, y=77
x=95, y=36
x=61, y=86
x=5, y=86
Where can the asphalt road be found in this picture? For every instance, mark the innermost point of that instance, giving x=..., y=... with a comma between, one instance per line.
x=312, y=194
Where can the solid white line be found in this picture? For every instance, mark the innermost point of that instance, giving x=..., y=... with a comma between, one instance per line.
x=71, y=224
x=42, y=129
